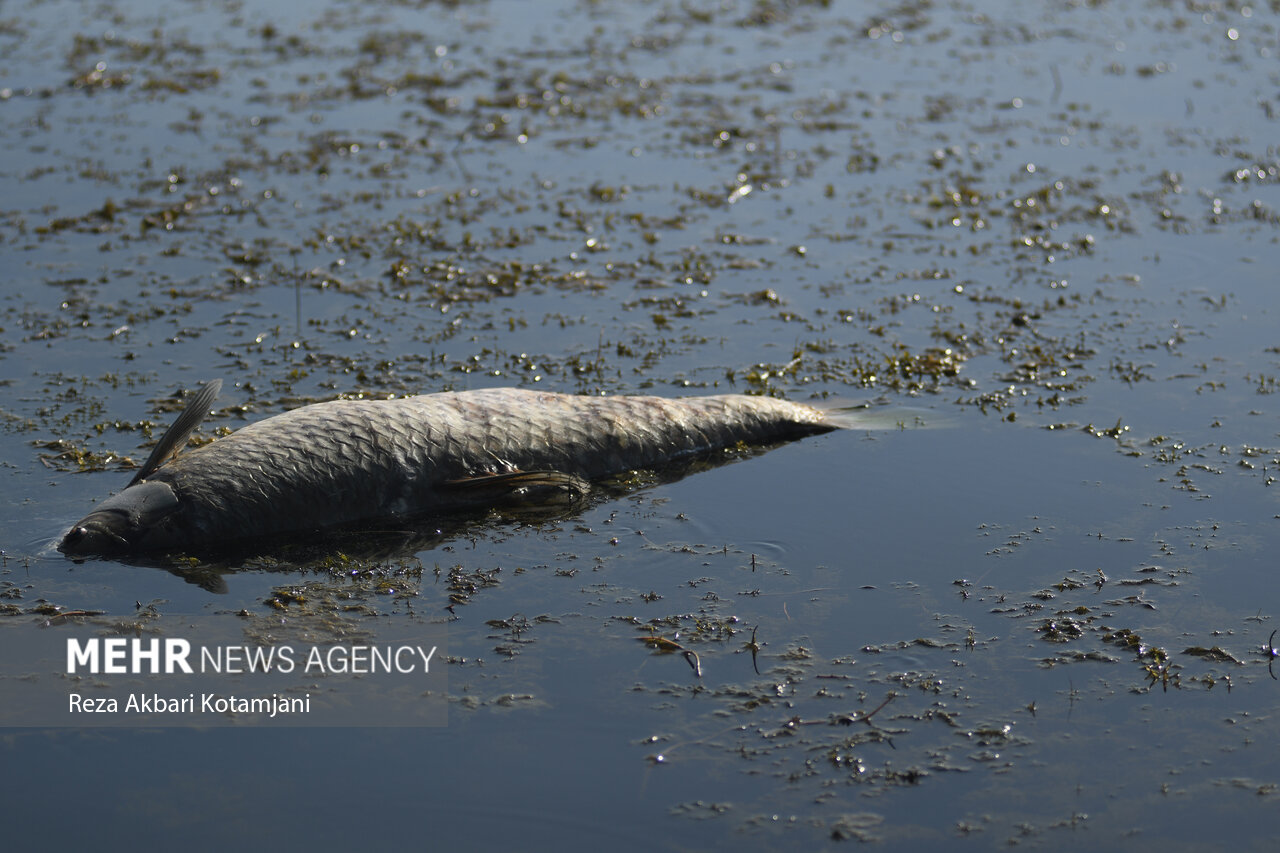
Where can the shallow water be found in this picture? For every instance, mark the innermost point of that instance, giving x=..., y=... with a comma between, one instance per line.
x=1047, y=235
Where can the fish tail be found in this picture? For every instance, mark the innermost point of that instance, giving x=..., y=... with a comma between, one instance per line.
x=877, y=416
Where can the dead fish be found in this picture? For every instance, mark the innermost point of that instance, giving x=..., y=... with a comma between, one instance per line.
x=348, y=461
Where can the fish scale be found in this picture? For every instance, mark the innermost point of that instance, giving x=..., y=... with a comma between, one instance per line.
x=348, y=461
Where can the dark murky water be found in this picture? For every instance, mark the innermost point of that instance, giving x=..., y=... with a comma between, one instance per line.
x=1049, y=230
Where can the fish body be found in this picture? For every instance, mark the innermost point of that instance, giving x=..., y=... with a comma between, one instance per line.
x=348, y=461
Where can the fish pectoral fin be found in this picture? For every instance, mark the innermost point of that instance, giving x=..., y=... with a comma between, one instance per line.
x=532, y=487
x=177, y=433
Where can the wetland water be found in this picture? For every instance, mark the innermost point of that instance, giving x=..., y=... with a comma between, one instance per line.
x=1047, y=232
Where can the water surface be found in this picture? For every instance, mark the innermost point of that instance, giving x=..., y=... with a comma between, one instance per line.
x=1046, y=234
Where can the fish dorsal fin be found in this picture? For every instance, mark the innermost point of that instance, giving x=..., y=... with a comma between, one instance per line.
x=176, y=435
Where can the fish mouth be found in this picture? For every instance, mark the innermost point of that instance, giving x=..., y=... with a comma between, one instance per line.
x=93, y=536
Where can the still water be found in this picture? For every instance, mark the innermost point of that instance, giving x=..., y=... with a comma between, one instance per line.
x=1034, y=606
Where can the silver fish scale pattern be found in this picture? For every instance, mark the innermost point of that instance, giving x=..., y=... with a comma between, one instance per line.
x=346, y=461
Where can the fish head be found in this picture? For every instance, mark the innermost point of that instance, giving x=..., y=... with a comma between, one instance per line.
x=122, y=523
